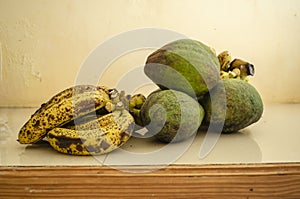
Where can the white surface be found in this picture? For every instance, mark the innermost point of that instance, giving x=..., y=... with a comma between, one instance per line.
x=275, y=138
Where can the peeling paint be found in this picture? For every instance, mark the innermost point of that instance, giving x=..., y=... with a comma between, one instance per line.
x=17, y=58
x=27, y=28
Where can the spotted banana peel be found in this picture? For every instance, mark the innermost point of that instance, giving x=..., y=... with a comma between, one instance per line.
x=98, y=136
x=81, y=120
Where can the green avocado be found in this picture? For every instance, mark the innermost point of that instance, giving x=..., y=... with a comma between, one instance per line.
x=185, y=65
x=171, y=116
x=241, y=101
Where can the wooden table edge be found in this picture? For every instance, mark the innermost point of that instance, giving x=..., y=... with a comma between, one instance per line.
x=267, y=180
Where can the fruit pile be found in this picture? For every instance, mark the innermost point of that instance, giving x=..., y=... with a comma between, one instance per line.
x=197, y=87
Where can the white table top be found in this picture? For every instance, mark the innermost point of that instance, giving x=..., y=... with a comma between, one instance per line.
x=275, y=138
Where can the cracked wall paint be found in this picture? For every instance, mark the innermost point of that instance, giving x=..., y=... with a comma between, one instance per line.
x=17, y=58
x=45, y=42
x=20, y=67
x=23, y=65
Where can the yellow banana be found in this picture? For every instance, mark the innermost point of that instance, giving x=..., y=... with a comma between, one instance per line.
x=95, y=137
x=65, y=106
x=82, y=120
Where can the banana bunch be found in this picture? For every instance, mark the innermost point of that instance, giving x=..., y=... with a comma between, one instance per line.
x=81, y=120
x=236, y=68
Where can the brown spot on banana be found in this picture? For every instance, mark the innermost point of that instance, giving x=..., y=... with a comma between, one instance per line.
x=95, y=137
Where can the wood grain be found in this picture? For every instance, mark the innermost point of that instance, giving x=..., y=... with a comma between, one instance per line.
x=176, y=181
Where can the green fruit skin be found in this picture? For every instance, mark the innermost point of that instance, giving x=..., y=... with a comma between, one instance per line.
x=185, y=65
x=183, y=115
x=244, y=105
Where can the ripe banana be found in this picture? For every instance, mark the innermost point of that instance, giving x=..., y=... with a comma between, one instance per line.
x=65, y=106
x=98, y=136
x=82, y=120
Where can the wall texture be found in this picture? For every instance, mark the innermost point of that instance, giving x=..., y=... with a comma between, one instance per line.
x=44, y=42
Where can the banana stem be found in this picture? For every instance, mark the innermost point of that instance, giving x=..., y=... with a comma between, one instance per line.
x=135, y=104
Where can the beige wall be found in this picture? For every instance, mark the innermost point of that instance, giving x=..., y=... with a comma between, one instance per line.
x=44, y=42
